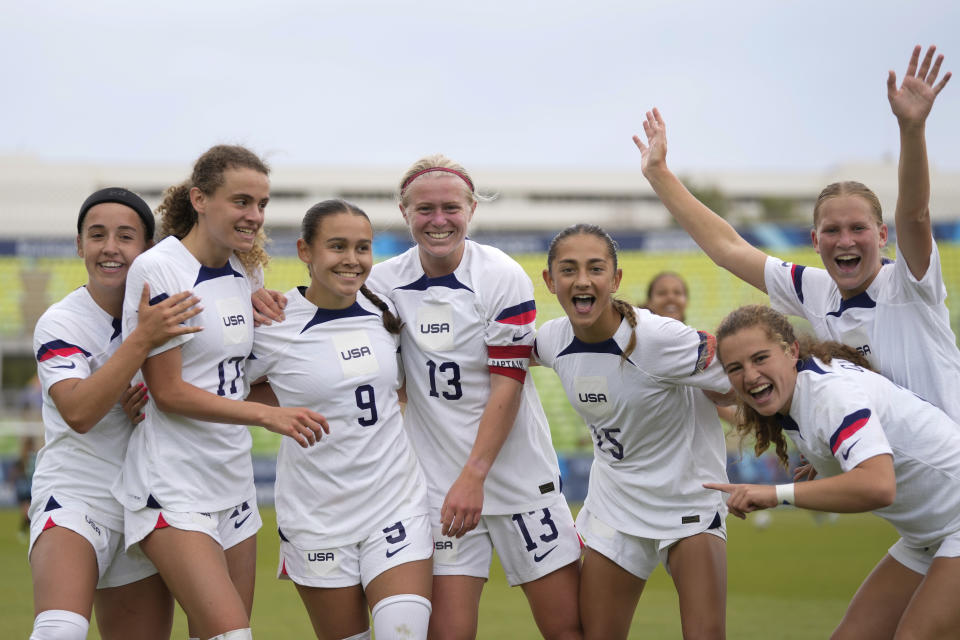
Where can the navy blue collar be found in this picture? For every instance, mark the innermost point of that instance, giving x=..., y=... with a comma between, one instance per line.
x=211, y=273
x=862, y=300
x=425, y=282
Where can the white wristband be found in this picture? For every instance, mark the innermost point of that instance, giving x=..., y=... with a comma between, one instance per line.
x=785, y=494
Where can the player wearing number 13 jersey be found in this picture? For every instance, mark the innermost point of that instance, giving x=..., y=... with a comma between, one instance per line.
x=473, y=415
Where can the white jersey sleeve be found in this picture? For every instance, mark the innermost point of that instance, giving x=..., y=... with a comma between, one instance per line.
x=792, y=286
x=930, y=289
x=511, y=324
x=162, y=278
x=672, y=351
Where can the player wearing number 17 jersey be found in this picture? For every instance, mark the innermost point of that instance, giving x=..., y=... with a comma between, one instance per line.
x=473, y=415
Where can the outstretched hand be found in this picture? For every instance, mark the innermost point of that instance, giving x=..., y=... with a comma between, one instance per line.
x=911, y=103
x=745, y=498
x=654, y=153
x=164, y=320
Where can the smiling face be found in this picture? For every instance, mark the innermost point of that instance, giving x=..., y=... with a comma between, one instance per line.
x=438, y=210
x=339, y=257
x=849, y=239
x=111, y=237
x=761, y=371
x=583, y=277
x=668, y=297
x=231, y=216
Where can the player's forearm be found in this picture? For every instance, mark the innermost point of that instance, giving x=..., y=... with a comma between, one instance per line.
x=495, y=424
x=84, y=402
x=185, y=399
x=865, y=488
x=913, y=196
x=717, y=237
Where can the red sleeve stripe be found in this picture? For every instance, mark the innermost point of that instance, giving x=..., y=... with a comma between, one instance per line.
x=517, y=374
x=523, y=313
x=850, y=425
x=511, y=351
x=59, y=348
x=706, y=351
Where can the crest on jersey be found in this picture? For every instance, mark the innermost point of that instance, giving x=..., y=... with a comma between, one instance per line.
x=593, y=397
x=434, y=330
x=355, y=353
x=234, y=324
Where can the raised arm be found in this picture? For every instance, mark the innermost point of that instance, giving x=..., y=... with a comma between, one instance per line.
x=716, y=236
x=911, y=104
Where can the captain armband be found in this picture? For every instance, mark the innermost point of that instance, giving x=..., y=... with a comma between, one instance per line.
x=511, y=361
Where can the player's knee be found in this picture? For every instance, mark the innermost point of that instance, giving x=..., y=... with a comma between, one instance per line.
x=401, y=616
x=236, y=634
x=58, y=624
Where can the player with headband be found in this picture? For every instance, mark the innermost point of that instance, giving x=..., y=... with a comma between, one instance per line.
x=76, y=551
x=352, y=511
x=890, y=311
x=187, y=480
x=473, y=415
x=876, y=447
x=637, y=380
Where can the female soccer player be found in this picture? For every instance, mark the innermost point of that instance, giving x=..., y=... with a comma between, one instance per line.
x=859, y=298
x=76, y=551
x=876, y=447
x=473, y=416
x=667, y=295
x=352, y=511
x=636, y=379
x=187, y=481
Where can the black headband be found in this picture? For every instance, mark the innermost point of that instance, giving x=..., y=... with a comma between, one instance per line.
x=120, y=196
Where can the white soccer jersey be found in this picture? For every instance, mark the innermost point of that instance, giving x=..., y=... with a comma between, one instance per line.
x=73, y=339
x=181, y=463
x=656, y=436
x=900, y=323
x=458, y=329
x=344, y=365
x=841, y=414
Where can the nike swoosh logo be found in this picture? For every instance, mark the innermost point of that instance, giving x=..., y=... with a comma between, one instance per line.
x=846, y=454
x=520, y=337
x=538, y=557
x=72, y=365
x=390, y=554
x=239, y=523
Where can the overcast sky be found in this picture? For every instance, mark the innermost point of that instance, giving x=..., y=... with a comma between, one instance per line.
x=742, y=85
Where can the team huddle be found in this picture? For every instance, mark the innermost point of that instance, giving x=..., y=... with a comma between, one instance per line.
x=414, y=440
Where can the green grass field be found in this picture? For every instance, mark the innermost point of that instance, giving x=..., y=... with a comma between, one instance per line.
x=791, y=580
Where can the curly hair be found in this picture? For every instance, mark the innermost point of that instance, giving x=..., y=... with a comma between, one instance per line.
x=766, y=429
x=176, y=212
x=621, y=306
x=308, y=231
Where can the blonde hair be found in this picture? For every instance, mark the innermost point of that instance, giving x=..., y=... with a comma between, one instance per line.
x=849, y=188
x=440, y=162
x=176, y=212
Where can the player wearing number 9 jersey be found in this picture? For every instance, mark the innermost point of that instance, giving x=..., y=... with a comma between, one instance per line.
x=473, y=415
x=636, y=379
x=352, y=511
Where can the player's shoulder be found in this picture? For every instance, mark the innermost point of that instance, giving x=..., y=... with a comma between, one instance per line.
x=395, y=271
x=73, y=313
x=166, y=254
x=553, y=336
x=486, y=260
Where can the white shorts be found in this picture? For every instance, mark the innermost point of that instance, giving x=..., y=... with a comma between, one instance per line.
x=360, y=562
x=117, y=565
x=919, y=559
x=227, y=527
x=530, y=544
x=639, y=556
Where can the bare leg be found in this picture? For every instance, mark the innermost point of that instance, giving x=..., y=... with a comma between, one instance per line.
x=608, y=597
x=456, y=604
x=141, y=609
x=195, y=569
x=933, y=612
x=242, y=564
x=411, y=577
x=698, y=565
x=347, y=604
x=879, y=603
x=65, y=575
x=553, y=600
